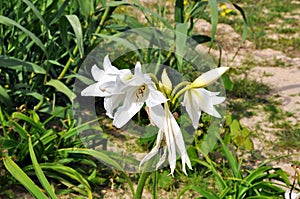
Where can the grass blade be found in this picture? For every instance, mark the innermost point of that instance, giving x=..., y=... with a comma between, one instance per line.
x=70, y=172
x=245, y=30
x=20, y=65
x=179, y=11
x=5, y=98
x=75, y=23
x=214, y=17
x=181, y=37
x=103, y=157
x=61, y=87
x=32, y=123
x=36, y=12
x=9, y=22
x=19, y=174
x=42, y=178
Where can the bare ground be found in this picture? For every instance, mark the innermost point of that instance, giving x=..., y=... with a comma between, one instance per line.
x=274, y=68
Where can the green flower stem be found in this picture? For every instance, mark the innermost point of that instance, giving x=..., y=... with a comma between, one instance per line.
x=63, y=72
x=141, y=184
x=155, y=184
x=184, y=83
x=180, y=93
x=143, y=178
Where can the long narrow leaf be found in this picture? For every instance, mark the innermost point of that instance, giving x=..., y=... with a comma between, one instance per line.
x=19, y=174
x=179, y=11
x=61, y=87
x=245, y=30
x=181, y=37
x=9, y=22
x=21, y=116
x=75, y=23
x=42, y=178
x=20, y=65
x=214, y=17
x=4, y=97
x=103, y=157
x=36, y=12
x=70, y=172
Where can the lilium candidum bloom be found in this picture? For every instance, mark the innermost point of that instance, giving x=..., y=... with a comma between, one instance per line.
x=126, y=93
x=105, y=79
x=170, y=133
x=197, y=99
x=133, y=92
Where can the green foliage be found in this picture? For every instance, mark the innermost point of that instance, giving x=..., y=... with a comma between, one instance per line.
x=42, y=45
x=236, y=134
x=236, y=182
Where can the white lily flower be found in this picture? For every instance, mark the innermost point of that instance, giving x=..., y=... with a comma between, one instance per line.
x=197, y=100
x=209, y=77
x=105, y=79
x=169, y=133
x=293, y=195
x=133, y=93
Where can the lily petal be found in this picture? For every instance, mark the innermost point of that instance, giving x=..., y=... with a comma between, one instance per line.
x=191, y=107
x=97, y=73
x=138, y=70
x=155, y=97
x=209, y=77
x=157, y=115
x=111, y=103
x=162, y=159
x=197, y=100
x=205, y=102
x=155, y=149
x=108, y=67
x=180, y=146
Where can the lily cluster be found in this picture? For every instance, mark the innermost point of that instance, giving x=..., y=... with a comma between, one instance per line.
x=126, y=93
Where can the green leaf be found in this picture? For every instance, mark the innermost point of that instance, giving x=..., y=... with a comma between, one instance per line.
x=214, y=17
x=86, y=7
x=234, y=166
x=245, y=30
x=204, y=193
x=228, y=84
x=20, y=65
x=59, y=12
x=36, y=12
x=201, y=38
x=75, y=23
x=103, y=157
x=235, y=128
x=4, y=97
x=7, y=144
x=179, y=11
x=70, y=172
x=181, y=37
x=20, y=130
x=61, y=87
x=9, y=22
x=21, y=116
x=132, y=22
x=41, y=176
x=19, y=175
x=209, y=140
x=119, y=40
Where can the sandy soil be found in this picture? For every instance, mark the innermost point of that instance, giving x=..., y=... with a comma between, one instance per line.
x=274, y=68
